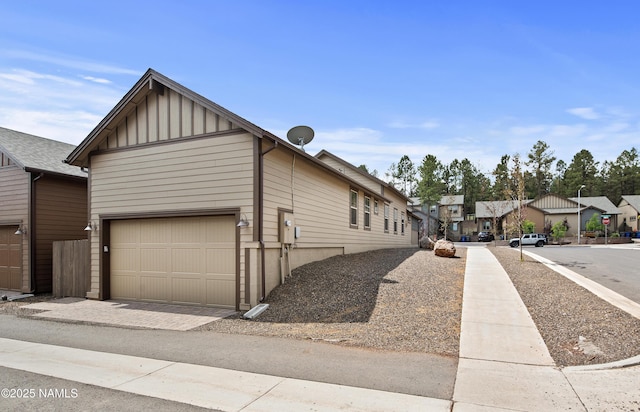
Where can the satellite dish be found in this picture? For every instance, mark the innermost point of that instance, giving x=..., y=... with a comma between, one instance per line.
x=300, y=135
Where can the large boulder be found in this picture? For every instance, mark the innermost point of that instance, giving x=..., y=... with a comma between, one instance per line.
x=444, y=248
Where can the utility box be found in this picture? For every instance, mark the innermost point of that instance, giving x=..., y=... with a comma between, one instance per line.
x=287, y=228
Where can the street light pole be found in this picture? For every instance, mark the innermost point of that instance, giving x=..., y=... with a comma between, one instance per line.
x=579, y=205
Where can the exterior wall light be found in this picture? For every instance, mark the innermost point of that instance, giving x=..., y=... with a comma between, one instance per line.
x=244, y=222
x=21, y=231
x=91, y=227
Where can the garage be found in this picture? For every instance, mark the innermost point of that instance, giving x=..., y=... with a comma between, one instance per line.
x=10, y=258
x=183, y=260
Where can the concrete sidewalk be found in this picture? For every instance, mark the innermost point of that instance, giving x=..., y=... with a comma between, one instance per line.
x=505, y=364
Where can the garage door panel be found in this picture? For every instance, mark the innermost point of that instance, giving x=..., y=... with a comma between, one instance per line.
x=154, y=232
x=187, y=290
x=125, y=260
x=187, y=260
x=10, y=258
x=218, y=228
x=220, y=261
x=154, y=288
x=176, y=260
x=125, y=285
x=154, y=259
x=126, y=235
x=221, y=291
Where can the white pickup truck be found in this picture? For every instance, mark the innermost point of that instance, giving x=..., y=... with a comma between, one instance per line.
x=536, y=239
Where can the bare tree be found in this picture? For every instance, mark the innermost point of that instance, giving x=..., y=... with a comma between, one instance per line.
x=518, y=196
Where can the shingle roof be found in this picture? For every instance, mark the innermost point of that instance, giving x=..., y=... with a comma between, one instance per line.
x=633, y=200
x=37, y=153
x=498, y=208
x=599, y=202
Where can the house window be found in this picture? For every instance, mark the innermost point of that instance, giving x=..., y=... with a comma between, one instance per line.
x=386, y=218
x=354, y=208
x=402, y=223
x=395, y=221
x=375, y=207
x=367, y=212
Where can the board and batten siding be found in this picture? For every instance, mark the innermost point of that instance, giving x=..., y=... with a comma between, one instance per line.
x=320, y=202
x=205, y=173
x=160, y=117
x=14, y=208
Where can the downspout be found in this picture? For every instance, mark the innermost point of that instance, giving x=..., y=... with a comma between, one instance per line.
x=32, y=232
x=263, y=273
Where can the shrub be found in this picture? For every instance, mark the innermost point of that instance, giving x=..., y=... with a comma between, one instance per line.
x=558, y=231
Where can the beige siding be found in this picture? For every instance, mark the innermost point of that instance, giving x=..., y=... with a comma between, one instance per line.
x=14, y=208
x=374, y=186
x=205, y=173
x=628, y=214
x=320, y=204
x=201, y=173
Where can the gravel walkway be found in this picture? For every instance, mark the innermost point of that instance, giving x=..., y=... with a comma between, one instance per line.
x=393, y=299
x=578, y=327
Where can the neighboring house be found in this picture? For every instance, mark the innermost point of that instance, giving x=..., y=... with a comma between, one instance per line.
x=43, y=200
x=497, y=216
x=491, y=214
x=629, y=208
x=557, y=208
x=451, y=213
x=600, y=205
x=429, y=221
x=193, y=204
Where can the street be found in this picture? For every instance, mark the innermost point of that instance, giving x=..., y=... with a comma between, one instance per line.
x=614, y=267
x=25, y=391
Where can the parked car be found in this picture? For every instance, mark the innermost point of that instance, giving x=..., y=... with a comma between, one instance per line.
x=536, y=239
x=485, y=237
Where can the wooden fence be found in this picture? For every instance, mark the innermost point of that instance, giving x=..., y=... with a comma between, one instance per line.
x=70, y=268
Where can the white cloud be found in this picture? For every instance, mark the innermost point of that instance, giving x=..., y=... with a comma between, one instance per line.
x=587, y=113
x=68, y=62
x=53, y=106
x=427, y=124
x=96, y=79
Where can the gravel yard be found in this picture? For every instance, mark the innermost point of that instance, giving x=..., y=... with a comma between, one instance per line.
x=564, y=312
x=393, y=299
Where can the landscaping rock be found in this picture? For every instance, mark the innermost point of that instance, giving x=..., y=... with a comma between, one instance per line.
x=444, y=248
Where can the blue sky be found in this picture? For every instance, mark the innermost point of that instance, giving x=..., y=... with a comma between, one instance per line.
x=375, y=80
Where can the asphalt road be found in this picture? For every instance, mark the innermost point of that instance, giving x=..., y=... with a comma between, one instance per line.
x=403, y=372
x=615, y=268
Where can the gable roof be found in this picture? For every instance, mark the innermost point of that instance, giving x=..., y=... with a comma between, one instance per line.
x=38, y=154
x=633, y=200
x=151, y=81
x=599, y=202
x=487, y=209
x=448, y=200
